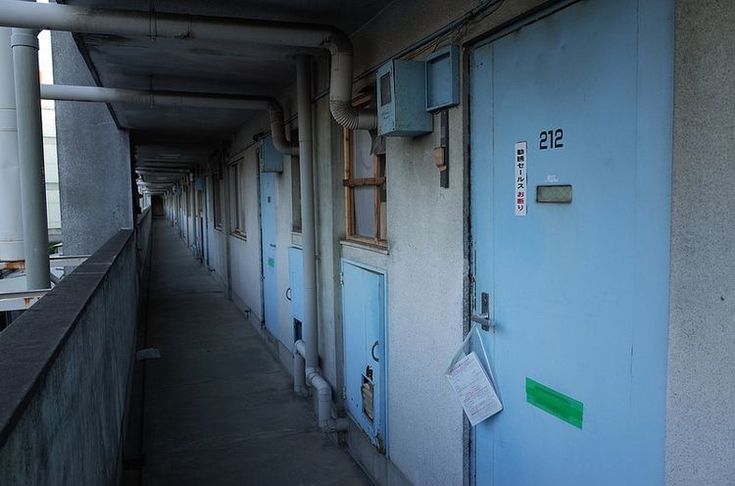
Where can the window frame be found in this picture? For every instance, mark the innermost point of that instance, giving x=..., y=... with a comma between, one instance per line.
x=377, y=181
x=217, y=200
x=296, y=223
x=237, y=211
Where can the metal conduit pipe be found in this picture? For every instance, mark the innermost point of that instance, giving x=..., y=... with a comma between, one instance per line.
x=15, y=13
x=11, y=221
x=278, y=130
x=310, y=349
x=308, y=235
x=30, y=155
x=181, y=99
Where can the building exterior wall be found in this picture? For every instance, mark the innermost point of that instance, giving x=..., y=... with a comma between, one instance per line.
x=329, y=215
x=91, y=211
x=244, y=253
x=425, y=262
x=427, y=269
x=701, y=396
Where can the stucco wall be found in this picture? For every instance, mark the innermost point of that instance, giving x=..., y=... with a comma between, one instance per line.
x=94, y=160
x=701, y=395
x=245, y=252
x=329, y=214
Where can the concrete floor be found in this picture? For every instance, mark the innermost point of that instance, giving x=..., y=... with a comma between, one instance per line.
x=219, y=409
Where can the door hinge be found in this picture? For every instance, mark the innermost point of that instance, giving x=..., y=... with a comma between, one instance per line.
x=341, y=279
x=343, y=394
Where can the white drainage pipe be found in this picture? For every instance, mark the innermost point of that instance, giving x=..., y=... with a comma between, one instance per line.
x=322, y=388
x=11, y=221
x=181, y=99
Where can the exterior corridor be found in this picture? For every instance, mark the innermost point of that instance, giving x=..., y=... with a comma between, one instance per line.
x=219, y=409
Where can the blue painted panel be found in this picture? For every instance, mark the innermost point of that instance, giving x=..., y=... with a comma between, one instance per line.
x=268, y=250
x=442, y=78
x=579, y=291
x=296, y=281
x=401, y=96
x=271, y=160
x=363, y=311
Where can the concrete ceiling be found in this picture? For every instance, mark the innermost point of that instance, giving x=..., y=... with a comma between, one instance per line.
x=204, y=66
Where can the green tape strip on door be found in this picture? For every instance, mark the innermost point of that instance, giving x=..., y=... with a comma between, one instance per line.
x=271, y=263
x=557, y=404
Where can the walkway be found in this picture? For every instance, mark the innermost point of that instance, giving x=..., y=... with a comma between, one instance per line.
x=219, y=409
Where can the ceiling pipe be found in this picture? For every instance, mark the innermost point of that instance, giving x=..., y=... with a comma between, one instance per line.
x=98, y=94
x=160, y=170
x=15, y=13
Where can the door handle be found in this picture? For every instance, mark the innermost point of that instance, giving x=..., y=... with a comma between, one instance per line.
x=484, y=318
x=288, y=293
x=372, y=352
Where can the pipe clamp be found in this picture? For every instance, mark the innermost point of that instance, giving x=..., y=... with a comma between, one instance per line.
x=24, y=37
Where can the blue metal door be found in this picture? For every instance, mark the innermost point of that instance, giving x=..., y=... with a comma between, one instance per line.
x=570, y=242
x=268, y=242
x=363, y=311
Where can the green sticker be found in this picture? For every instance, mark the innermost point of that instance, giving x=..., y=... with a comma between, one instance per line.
x=271, y=262
x=557, y=404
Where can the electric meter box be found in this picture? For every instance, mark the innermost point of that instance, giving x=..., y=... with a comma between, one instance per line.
x=401, y=96
x=270, y=159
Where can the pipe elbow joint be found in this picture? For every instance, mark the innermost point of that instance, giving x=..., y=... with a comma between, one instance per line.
x=337, y=41
x=278, y=129
x=314, y=377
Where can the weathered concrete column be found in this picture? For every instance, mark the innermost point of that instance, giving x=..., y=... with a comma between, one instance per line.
x=30, y=155
x=11, y=221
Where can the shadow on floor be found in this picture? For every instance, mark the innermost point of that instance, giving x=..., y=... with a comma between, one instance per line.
x=219, y=409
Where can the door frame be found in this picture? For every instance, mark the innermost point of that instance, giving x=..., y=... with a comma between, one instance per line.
x=260, y=234
x=383, y=333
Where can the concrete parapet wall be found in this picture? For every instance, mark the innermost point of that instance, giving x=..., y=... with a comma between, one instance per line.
x=64, y=374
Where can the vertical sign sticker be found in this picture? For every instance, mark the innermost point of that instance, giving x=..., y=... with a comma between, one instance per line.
x=520, y=179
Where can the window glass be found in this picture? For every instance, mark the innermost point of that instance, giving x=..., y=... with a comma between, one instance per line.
x=362, y=160
x=296, y=194
x=217, y=200
x=365, y=211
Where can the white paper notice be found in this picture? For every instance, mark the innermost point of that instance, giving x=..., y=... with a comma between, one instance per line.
x=474, y=389
x=519, y=184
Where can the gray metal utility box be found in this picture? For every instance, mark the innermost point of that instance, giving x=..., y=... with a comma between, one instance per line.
x=402, y=99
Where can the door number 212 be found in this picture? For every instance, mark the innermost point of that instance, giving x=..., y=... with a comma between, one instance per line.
x=551, y=139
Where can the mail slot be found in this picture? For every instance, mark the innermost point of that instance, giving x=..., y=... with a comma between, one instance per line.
x=556, y=194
